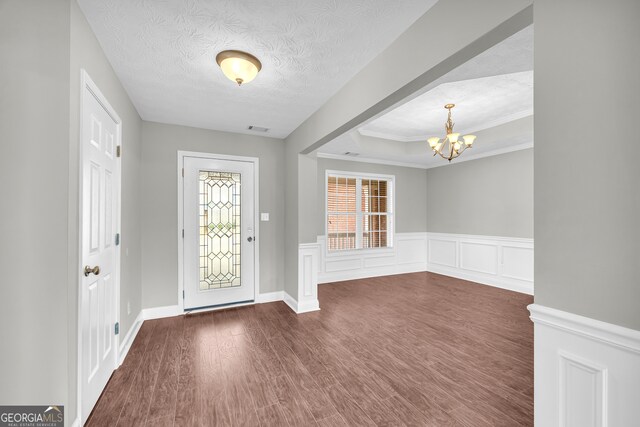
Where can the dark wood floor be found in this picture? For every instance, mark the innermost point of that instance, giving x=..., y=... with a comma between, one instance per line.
x=415, y=349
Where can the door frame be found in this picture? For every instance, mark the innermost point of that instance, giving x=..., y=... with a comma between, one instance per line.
x=256, y=220
x=89, y=88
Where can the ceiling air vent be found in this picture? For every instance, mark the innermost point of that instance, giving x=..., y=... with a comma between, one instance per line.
x=351, y=153
x=258, y=129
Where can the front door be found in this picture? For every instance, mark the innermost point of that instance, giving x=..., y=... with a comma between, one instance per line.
x=100, y=177
x=219, y=237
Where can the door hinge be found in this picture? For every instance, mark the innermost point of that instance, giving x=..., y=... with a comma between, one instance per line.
x=117, y=328
x=118, y=151
x=183, y=233
x=182, y=294
x=117, y=239
x=183, y=172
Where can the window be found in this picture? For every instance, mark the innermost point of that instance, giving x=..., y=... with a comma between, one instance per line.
x=359, y=211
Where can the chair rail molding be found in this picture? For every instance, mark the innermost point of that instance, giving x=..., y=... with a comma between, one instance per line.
x=503, y=262
x=586, y=372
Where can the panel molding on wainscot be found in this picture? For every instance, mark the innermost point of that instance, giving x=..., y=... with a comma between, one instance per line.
x=307, y=298
x=586, y=372
x=408, y=255
x=503, y=262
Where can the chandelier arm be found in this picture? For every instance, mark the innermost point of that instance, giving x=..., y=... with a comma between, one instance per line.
x=441, y=155
x=462, y=150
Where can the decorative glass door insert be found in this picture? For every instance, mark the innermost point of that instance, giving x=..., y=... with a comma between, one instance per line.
x=220, y=229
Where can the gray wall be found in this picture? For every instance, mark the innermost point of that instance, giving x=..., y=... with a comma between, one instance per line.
x=160, y=146
x=492, y=196
x=43, y=45
x=410, y=192
x=587, y=201
x=34, y=170
x=87, y=54
x=411, y=62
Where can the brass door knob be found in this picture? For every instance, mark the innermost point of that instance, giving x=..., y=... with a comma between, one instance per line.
x=88, y=270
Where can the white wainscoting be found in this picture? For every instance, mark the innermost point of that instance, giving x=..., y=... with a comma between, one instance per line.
x=307, y=298
x=497, y=261
x=408, y=255
x=587, y=372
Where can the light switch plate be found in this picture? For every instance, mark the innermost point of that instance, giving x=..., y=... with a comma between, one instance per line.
x=264, y=216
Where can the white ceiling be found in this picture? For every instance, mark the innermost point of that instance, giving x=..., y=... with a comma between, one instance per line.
x=480, y=104
x=512, y=136
x=493, y=93
x=164, y=52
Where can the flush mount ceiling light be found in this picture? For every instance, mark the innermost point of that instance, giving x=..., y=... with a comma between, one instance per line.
x=240, y=67
x=450, y=147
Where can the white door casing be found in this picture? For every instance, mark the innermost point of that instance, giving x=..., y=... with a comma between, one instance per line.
x=99, y=203
x=243, y=289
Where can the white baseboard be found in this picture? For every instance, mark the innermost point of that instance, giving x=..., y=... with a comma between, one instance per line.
x=502, y=262
x=301, y=307
x=160, y=312
x=291, y=302
x=128, y=339
x=496, y=282
x=270, y=297
x=587, y=372
x=307, y=306
x=174, y=310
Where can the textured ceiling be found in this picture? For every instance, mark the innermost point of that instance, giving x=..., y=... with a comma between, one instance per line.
x=164, y=52
x=480, y=104
x=492, y=88
x=493, y=93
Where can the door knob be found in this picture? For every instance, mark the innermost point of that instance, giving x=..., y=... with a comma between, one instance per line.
x=88, y=270
x=250, y=239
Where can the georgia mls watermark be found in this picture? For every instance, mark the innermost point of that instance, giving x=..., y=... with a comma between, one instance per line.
x=32, y=416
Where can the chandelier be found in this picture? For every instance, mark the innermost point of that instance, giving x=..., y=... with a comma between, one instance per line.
x=450, y=147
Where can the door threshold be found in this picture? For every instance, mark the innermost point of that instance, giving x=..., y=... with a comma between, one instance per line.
x=204, y=309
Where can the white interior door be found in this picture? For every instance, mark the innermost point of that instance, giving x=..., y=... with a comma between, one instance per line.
x=100, y=178
x=219, y=238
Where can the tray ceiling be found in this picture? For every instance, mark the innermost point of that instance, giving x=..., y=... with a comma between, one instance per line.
x=480, y=104
x=493, y=93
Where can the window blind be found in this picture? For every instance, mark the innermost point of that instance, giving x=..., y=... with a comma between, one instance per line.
x=358, y=212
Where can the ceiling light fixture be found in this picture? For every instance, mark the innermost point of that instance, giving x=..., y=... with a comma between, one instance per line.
x=450, y=147
x=240, y=67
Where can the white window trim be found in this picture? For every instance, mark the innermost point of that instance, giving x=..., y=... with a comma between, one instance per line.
x=391, y=214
